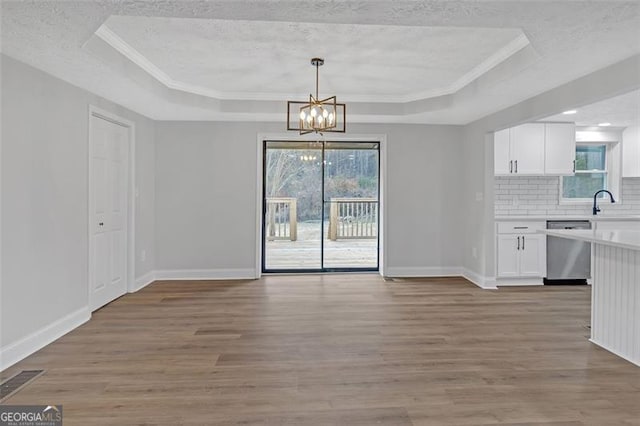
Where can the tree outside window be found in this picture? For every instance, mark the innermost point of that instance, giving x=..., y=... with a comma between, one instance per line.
x=591, y=173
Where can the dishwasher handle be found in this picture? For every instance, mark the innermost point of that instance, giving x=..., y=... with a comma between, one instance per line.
x=579, y=224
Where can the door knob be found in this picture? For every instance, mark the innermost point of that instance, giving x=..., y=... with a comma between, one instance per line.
x=101, y=224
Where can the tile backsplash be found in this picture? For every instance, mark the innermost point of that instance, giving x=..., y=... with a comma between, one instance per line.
x=539, y=195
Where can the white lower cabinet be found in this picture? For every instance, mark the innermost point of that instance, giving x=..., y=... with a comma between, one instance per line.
x=533, y=256
x=508, y=256
x=521, y=252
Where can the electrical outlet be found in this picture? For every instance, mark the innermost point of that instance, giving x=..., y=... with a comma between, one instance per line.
x=143, y=255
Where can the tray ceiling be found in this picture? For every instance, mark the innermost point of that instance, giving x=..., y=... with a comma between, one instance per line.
x=239, y=59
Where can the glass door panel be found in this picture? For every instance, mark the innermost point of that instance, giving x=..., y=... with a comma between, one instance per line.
x=292, y=223
x=351, y=182
x=320, y=218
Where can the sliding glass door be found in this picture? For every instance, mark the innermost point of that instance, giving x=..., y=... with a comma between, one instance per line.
x=321, y=206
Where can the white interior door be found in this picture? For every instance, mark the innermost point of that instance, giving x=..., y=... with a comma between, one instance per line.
x=108, y=211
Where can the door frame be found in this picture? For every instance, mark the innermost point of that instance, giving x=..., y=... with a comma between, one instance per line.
x=382, y=185
x=97, y=112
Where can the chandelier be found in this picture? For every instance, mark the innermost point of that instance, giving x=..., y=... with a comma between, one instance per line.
x=317, y=115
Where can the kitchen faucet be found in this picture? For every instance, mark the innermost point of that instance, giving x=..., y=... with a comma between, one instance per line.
x=596, y=209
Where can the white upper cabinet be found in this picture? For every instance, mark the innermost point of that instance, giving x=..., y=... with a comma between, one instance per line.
x=535, y=149
x=527, y=144
x=559, y=149
x=502, y=156
x=631, y=152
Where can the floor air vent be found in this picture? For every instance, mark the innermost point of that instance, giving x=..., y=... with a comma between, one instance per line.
x=17, y=382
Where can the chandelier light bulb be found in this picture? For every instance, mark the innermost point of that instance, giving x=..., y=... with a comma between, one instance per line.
x=325, y=113
x=302, y=115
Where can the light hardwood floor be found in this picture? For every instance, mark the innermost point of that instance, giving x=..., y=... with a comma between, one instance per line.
x=336, y=350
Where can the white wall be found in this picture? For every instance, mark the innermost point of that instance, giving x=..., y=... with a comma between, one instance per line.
x=205, y=196
x=44, y=205
x=424, y=199
x=206, y=183
x=478, y=205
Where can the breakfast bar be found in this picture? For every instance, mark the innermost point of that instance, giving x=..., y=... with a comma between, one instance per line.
x=615, y=295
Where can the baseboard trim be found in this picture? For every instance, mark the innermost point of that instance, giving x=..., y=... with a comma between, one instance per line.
x=487, y=283
x=205, y=274
x=143, y=281
x=410, y=272
x=515, y=282
x=37, y=340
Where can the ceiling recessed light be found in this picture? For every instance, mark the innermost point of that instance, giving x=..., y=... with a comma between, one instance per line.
x=571, y=111
x=604, y=124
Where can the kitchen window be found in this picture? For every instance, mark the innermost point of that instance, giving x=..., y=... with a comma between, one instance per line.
x=593, y=171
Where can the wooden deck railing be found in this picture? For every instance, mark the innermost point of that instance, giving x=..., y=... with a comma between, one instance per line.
x=281, y=220
x=351, y=218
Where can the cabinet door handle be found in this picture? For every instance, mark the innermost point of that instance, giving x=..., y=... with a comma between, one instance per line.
x=518, y=243
x=516, y=166
x=574, y=166
x=511, y=166
x=523, y=242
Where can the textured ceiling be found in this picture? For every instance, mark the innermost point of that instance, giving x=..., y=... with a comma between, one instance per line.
x=568, y=39
x=270, y=60
x=620, y=111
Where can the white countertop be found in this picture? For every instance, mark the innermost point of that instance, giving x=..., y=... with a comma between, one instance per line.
x=624, y=238
x=597, y=218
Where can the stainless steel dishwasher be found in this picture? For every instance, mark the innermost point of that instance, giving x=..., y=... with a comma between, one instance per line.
x=568, y=261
